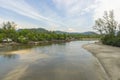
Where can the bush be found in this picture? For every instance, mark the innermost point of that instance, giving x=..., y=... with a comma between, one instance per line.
x=2, y=36
x=22, y=39
x=111, y=40
x=117, y=41
x=118, y=34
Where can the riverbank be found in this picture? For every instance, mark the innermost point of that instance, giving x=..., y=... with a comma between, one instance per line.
x=31, y=43
x=109, y=58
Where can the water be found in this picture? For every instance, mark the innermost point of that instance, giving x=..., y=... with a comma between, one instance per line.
x=65, y=61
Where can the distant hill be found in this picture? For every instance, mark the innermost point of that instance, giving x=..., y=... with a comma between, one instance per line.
x=89, y=33
x=42, y=30
x=36, y=30
x=84, y=33
x=60, y=32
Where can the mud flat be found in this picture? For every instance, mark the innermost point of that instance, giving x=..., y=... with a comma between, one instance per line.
x=108, y=56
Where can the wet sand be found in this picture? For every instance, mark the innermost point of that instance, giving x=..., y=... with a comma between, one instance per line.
x=26, y=56
x=108, y=56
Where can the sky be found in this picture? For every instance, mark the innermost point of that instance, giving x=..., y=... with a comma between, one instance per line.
x=64, y=15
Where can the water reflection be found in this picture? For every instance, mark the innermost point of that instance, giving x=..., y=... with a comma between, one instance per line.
x=10, y=56
x=63, y=61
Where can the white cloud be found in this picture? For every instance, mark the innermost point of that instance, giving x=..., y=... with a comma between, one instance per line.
x=107, y=5
x=1, y=20
x=54, y=21
x=74, y=11
x=53, y=27
x=19, y=24
x=64, y=3
x=73, y=7
x=71, y=30
x=21, y=7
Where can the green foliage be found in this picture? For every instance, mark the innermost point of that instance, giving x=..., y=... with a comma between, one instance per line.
x=22, y=39
x=107, y=39
x=118, y=34
x=107, y=26
x=8, y=31
x=1, y=37
x=111, y=40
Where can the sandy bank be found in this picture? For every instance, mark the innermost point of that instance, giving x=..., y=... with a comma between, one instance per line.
x=109, y=58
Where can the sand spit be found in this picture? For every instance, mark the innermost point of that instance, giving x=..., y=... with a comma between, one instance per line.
x=108, y=56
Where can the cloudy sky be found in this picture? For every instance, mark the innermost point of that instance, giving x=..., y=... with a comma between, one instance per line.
x=65, y=15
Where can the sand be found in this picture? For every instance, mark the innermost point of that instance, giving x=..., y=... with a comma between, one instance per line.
x=109, y=58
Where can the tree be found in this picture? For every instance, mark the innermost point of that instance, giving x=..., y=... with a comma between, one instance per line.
x=108, y=27
x=22, y=39
x=99, y=25
x=9, y=30
x=1, y=36
x=107, y=24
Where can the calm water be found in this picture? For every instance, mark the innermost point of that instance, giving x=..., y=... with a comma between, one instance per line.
x=65, y=61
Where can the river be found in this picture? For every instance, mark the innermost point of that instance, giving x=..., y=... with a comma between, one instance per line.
x=63, y=61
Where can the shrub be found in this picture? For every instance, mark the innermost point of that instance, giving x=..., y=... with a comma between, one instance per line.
x=22, y=39
x=111, y=40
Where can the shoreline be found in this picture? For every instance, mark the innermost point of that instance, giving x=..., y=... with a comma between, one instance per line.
x=109, y=58
x=32, y=43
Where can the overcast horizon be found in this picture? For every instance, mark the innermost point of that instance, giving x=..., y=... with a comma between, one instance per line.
x=64, y=15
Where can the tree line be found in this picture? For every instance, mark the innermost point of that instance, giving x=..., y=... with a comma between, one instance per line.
x=109, y=28
x=8, y=33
